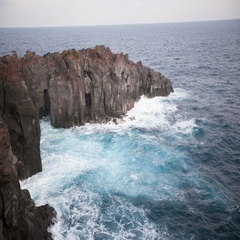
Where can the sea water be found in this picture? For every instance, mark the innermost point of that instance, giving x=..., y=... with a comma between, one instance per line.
x=170, y=169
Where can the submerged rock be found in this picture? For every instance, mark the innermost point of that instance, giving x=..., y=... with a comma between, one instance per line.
x=72, y=87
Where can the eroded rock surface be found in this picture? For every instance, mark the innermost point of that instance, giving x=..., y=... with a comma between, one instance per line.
x=20, y=219
x=72, y=87
x=19, y=113
x=90, y=85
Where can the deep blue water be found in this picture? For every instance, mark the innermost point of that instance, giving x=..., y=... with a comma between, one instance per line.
x=171, y=168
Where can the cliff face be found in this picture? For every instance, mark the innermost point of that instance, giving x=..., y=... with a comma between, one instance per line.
x=90, y=85
x=19, y=113
x=73, y=87
x=19, y=217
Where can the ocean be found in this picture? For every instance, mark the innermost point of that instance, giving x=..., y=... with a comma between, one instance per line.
x=170, y=169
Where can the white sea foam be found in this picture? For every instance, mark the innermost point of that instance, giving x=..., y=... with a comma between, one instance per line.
x=85, y=168
x=185, y=127
x=123, y=220
x=147, y=113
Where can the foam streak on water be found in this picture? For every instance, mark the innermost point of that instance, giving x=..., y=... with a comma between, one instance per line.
x=104, y=180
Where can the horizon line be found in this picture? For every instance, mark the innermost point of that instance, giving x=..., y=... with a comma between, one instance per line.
x=120, y=24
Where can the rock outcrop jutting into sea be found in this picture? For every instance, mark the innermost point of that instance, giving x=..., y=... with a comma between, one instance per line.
x=72, y=87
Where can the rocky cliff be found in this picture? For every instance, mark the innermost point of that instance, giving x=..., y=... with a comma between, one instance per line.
x=20, y=219
x=72, y=87
x=90, y=85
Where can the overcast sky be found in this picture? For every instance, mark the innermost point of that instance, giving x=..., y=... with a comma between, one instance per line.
x=41, y=13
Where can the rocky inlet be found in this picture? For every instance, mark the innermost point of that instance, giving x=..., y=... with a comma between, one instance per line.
x=72, y=87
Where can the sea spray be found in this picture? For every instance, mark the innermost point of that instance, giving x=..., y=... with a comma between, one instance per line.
x=95, y=175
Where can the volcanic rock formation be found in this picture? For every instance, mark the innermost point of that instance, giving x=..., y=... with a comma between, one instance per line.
x=72, y=87
x=20, y=219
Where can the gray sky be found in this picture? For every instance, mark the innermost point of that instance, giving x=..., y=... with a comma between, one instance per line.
x=41, y=13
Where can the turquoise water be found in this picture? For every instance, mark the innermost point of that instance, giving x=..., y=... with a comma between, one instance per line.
x=134, y=180
x=104, y=179
x=171, y=168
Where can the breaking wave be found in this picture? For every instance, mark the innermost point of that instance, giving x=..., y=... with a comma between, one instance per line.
x=104, y=178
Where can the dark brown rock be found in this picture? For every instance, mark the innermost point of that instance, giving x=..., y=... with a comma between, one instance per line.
x=90, y=85
x=19, y=217
x=19, y=113
x=73, y=87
